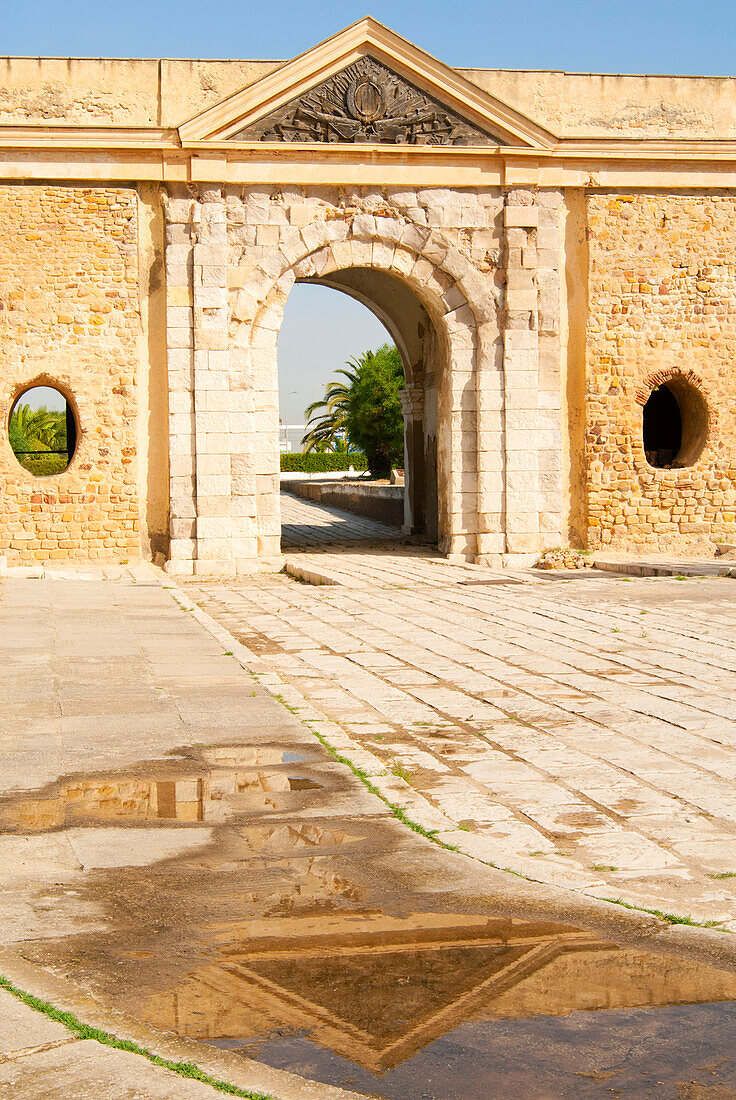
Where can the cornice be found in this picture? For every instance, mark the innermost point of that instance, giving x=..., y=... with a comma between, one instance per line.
x=133, y=154
x=48, y=138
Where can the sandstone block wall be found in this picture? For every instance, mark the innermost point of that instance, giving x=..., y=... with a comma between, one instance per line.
x=69, y=317
x=533, y=441
x=661, y=302
x=146, y=92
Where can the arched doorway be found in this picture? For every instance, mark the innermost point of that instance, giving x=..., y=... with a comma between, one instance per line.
x=403, y=321
x=436, y=326
x=443, y=314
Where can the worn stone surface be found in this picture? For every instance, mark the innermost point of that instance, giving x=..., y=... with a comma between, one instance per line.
x=23, y=1028
x=581, y=731
x=86, y=1070
x=280, y=845
x=305, y=524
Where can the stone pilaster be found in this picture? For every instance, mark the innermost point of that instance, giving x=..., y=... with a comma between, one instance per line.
x=532, y=399
x=550, y=271
x=180, y=367
x=211, y=386
x=412, y=406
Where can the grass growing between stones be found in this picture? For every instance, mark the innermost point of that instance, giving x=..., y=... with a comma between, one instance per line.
x=362, y=775
x=402, y=773
x=669, y=918
x=429, y=834
x=98, y=1035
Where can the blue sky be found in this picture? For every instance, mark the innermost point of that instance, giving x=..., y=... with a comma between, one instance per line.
x=323, y=328
x=656, y=36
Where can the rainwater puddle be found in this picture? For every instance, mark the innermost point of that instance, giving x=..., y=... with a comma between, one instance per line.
x=221, y=783
x=325, y=938
x=463, y=1008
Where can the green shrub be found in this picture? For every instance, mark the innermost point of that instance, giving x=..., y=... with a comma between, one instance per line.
x=43, y=464
x=316, y=462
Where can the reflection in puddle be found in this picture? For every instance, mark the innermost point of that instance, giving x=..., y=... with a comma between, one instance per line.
x=223, y=782
x=328, y=942
x=395, y=1006
x=301, y=783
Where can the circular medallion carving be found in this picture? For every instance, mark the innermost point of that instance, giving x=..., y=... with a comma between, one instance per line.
x=365, y=100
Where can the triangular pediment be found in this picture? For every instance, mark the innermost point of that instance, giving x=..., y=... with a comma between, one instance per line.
x=367, y=102
x=366, y=85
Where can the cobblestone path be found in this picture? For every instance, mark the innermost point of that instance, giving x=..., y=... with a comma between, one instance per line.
x=306, y=525
x=577, y=731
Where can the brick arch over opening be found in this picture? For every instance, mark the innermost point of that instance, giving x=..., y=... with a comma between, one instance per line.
x=698, y=412
x=463, y=316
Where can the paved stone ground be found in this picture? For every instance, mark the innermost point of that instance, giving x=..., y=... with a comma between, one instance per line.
x=41, y=1060
x=463, y=688
x=102, y=672
x=579, y=731
x=305, y=524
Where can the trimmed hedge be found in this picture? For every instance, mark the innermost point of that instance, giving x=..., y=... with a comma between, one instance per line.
x=316, y=462
x=43, y=464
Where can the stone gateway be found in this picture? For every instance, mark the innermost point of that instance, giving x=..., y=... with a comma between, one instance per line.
x=554, y=255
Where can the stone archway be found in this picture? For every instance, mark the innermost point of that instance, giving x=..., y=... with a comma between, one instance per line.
x=386, y=263
x=413, y=333
x=233, y=255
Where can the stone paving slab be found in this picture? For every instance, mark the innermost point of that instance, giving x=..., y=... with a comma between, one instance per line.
x=595, y=712
x=85, y=1070
x=23, y=1029
x=305, y=525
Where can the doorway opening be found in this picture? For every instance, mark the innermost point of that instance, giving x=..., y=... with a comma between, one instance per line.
x=357, y=421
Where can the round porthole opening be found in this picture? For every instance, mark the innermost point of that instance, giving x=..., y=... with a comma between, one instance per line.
x=42, y=431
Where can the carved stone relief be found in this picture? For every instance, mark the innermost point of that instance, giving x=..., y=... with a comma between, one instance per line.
x=366, y=102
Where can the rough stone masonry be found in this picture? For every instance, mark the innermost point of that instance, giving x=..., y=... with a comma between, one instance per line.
x=553, y=255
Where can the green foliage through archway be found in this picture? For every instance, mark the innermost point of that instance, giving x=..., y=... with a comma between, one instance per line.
x=363, y=412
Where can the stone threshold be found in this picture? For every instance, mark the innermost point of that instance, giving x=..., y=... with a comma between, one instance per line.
x=659, y=566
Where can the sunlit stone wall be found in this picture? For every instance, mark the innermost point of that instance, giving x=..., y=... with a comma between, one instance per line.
x=69, y=318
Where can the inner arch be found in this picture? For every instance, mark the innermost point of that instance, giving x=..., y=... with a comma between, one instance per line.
x=407, y=323
x=393, y=303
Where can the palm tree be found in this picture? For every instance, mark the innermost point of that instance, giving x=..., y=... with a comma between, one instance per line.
x=38, y=429
x=327, y=418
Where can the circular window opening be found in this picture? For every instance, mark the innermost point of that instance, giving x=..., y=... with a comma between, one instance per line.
x=675, y=424
x=43, y=431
